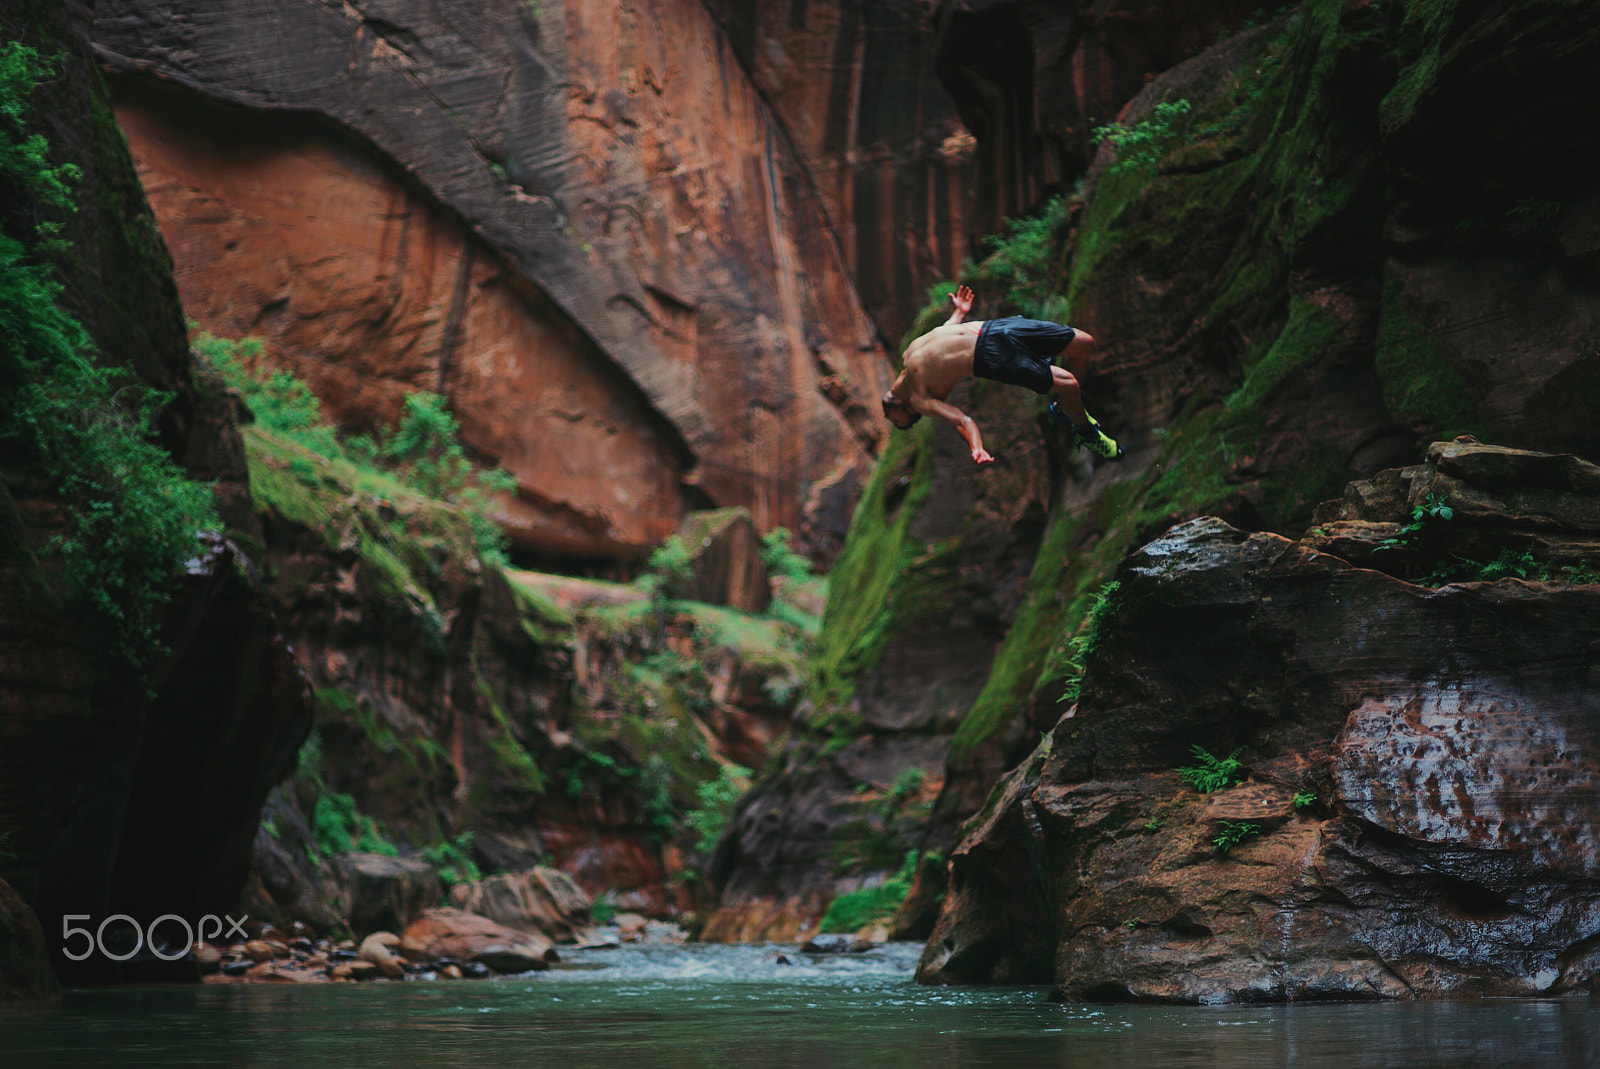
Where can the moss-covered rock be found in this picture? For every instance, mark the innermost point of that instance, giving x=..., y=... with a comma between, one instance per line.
x=1297, y=294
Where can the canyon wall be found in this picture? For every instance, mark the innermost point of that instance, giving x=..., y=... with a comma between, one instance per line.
x=126, y=788
x=1291, y=292
x=578, y=222
x=653, y=255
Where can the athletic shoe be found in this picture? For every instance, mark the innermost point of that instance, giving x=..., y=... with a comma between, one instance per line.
x=1090, y=437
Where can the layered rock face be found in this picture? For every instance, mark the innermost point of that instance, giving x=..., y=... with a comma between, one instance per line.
x=129, y=791
x=1418, y=810
x=370, y=290
x=924, y=126
x=1276, y=294
x=916, y=617
x=580, y=223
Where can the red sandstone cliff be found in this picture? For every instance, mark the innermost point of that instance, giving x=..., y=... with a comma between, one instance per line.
x=651, y=254
x=580, y=223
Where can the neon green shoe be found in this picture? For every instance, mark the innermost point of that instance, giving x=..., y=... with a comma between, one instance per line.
x=1091, y=437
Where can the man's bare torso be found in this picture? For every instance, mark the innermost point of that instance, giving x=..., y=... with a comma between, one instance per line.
x=938, y=360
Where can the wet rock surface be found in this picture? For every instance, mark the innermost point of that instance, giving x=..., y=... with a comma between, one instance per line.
x=541, y=899
x=1418, y=814
x=25, y=972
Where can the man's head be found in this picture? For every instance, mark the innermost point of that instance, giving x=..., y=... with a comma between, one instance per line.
x=898, y=412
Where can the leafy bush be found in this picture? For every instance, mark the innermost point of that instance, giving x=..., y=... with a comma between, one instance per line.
x=1430, y=510
x=338, y=827
x=604, y=910
x=906, y=784
x=455, y=865
x=1302, y=799
x=856, y=909
x=1027, y=260
x=1233, y=833
x=1140, y=147
x=1510, y=564
x=779, y=556
x=1210, y=773
x=717, y=799
x=133, y=516
x=667, y=571
x=655, y=797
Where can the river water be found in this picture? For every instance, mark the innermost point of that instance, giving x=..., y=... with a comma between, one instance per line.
x=664, y=1005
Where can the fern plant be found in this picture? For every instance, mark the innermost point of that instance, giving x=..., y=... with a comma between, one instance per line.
x=1233, y=833
x=1210, y=773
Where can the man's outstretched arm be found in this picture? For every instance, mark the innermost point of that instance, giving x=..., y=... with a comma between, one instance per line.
x=962, y=299
x=963, y=424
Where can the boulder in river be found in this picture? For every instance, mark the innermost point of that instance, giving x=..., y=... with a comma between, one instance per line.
x=25, y=971
x=378, y=949
x=454, y=933
x=542, y=900
x=388, y=893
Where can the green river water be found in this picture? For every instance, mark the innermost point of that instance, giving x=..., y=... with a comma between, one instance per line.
x=737, y=1006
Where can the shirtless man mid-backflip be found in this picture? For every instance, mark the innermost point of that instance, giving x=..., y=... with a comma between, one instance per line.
x=1012, y=350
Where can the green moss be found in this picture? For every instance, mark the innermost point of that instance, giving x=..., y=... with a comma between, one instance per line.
x=1423, y=33
x=1420, y=381
x=1025, y=650
x=543, y=620
x=1305, y=339
x=339, y=501
x=884, y=581
x=511, y=757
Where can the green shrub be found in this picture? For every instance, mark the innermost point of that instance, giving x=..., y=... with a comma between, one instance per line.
x=1302, y=799
x=655, y=797
x=667, y=571
x=1430, y=510
x=717, y=799
x=133, y=516
x=1025, y=261
x=604, y=910
x=1210, y=773
x=1140, y=147
x=906, y=784
x=779, y=556
x=1510, y=564
x=338, y=827
x=455, y=865
x=856, y=909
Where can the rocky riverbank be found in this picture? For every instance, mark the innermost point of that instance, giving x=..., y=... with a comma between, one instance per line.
x=442, y=944
x=1292, y=775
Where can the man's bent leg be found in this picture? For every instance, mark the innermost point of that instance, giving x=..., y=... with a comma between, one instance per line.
x=1079, y=351
x=1064, y=386
x=1068, y=405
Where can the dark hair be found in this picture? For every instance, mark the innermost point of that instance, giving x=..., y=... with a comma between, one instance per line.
x=891, y=403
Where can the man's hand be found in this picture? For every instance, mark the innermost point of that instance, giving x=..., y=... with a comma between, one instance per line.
x=980, y=456
x=962, y=299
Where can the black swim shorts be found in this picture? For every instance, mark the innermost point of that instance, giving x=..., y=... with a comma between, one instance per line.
x=1018, y=351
